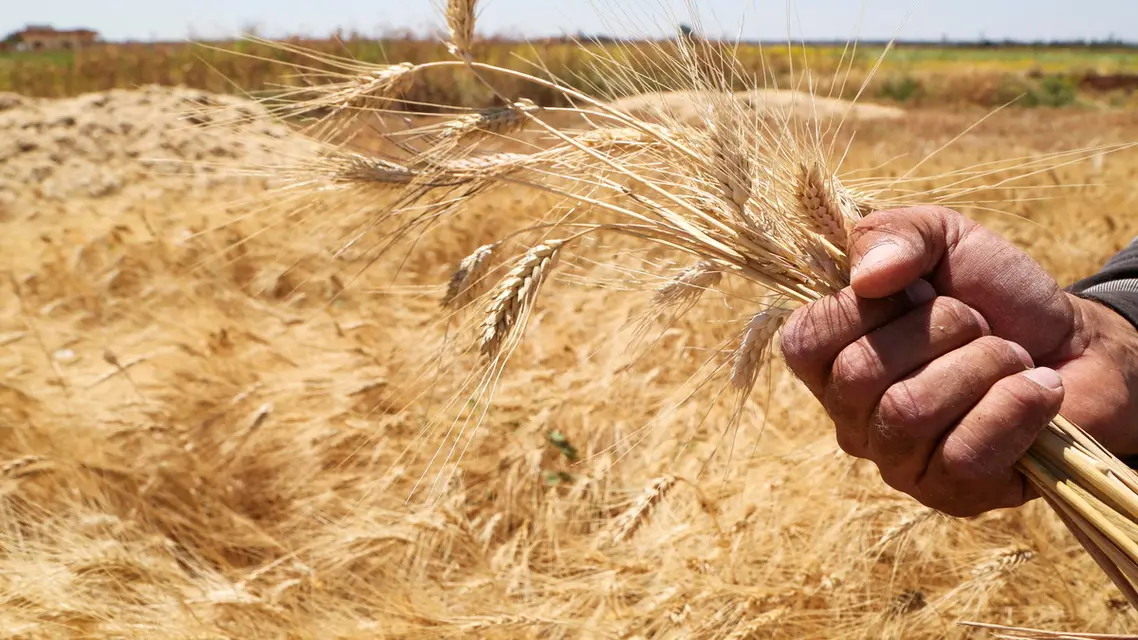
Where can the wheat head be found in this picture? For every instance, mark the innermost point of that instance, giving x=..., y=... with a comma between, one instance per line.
x=515, y=293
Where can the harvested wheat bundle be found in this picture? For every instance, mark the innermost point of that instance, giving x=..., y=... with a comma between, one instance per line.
x=757, y=204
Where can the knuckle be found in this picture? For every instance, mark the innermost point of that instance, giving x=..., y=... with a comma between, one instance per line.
x=800, y=340
x=997, y=350
x=955, y=315
x=857, y=368
x=851, y=441
x=795, y=341
x=1022, y=402
x=900, y=408
x=957, y=508
x=810, y=337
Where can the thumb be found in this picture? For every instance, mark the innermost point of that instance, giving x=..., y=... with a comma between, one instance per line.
x=890, y=250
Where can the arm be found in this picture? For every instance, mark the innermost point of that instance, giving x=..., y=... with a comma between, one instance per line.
x=1115, y=288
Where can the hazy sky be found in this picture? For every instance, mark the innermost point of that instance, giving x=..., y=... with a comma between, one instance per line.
x=925, y=19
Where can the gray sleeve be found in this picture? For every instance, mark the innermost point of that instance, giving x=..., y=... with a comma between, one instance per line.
x=1116, y=285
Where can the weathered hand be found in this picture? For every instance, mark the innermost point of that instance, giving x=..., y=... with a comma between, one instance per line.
x=949, y=353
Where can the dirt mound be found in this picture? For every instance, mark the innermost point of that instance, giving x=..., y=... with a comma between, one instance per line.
x=688, y=106
x=96, y=144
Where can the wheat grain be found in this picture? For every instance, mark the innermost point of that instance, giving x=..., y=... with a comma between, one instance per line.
x=756, y=339
x=691, y=283
x=629, y=522
x=515, y=293
x=468, y=281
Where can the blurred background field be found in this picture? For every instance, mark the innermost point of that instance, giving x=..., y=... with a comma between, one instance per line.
x=913, y=74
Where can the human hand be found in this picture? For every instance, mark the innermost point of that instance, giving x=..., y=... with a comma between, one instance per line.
x=951, y=351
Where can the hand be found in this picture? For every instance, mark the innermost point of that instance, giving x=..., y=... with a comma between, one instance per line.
x=950, y=352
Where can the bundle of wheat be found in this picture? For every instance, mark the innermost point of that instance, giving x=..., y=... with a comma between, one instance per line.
x=752, y=199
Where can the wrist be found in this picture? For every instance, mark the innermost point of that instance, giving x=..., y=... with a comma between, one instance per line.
x=1102, y=376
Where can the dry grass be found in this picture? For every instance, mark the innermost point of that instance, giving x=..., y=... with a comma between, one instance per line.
x=214, y=426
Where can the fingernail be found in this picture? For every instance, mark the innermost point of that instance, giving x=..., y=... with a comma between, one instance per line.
x=1023, y=355
x=920, y=292
x=879, y=255
x=1046, y=378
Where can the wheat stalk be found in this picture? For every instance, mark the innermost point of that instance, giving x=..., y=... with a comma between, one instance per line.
x=1020, y=633
x=515, y=293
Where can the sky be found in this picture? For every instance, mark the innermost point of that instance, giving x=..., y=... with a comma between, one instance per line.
x=751, y=19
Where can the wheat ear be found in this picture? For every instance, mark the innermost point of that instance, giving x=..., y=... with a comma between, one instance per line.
x=498, y=121
x=756, y=340
x=629, y=521
x=460, y=16
x=515, y=293
x=821, y=209
x=1003, y=563
x=732, y=166
x=469, y=279
x=687, y=287
x=903, y=527
x=382, y=84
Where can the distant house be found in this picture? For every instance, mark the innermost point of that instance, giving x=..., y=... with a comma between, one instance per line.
x=46, y=38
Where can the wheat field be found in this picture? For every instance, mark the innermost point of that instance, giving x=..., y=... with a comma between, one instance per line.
x=218, y=397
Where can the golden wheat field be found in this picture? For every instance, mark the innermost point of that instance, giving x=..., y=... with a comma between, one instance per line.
x=218, y=401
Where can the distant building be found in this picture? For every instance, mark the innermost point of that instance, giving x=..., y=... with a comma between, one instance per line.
x=46, y=38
